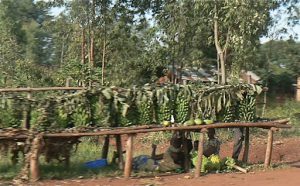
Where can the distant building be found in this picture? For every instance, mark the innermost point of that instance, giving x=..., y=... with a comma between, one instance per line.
x=249, y=77
x=188, y=75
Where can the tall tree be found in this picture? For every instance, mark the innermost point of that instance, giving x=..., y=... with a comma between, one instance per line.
x=237, y=26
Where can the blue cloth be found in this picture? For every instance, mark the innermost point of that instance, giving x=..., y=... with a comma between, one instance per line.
x=141, y=161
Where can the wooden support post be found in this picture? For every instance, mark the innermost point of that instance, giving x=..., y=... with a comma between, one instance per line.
x=298, y=89
x=105, y=147
x=129, y=153
x=68, y=82
x=269, y=147
x=200, y=153
x=34, y=158
x=26, y=113
x=246, y=147
x=119, y=151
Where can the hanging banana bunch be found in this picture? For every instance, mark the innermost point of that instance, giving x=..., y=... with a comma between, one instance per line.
x=144, y=103
x=163, y=105
x=228, y=110
x=92, y=98
x=183, y=105
x=105, y=107
x=127, y=110
x=230, y=113
x=47, y=114
x=11, y=112
x=247, y=109
x=80, y=117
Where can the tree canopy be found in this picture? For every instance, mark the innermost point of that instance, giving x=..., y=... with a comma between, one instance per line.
x=128, y=42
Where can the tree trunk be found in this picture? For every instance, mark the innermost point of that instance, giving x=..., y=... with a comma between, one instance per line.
x=222, y=63
x=103, y=61
x=220, y=52
x=298, y=89
x=62, y=52
x=83, y=46
x=92, y=53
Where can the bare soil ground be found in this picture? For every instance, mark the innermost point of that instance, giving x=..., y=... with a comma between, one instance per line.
x=285, y=151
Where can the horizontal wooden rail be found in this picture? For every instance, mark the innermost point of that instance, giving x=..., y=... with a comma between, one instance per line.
x=40, y=89
x=146, y=129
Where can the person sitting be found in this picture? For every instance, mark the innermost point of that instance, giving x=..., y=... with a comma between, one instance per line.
x=171, y=159
x=211, y=146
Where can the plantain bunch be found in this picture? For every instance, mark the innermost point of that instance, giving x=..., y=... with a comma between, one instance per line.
x=11, y=112
x=183, y=105
x=127, y=109
x=73, y=111
x=80, y=117
x=229, y=114
x=130, y=117
x=105, y=110
x=247, y=109
x=47, y=115
x=144, y=104
x=163, y=105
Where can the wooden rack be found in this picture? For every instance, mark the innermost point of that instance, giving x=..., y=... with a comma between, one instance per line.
x=271, y=126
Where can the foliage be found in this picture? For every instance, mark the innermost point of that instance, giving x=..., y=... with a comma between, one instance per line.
x=278, y=65
x=289, y=109
x=85, y=152
x=115, y=107
x=237, y=26
x=122, y=43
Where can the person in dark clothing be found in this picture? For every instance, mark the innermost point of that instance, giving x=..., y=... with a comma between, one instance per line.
x=171, y=159
x=238, y=142
x=211, y=146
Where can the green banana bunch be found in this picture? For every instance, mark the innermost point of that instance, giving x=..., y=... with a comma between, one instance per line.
x=163, y=105
x=62, y=117
x=130, y=117
x=145, y=107
x=183, y=105
x=80, y=117
x=104, y=109
x=229, y=114
x=127, y=109
x=247, y=109
x=11, y=113
x=47, y=117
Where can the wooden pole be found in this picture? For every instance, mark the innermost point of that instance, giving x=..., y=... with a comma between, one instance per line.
x=119, y=151
x=26, y=113
x=298, y=89
x=62, y=134
x=39, y=89
x=200, y=153
x=265, y=89
x=246, y=147
x=190, y=128
x=269, y=148
x=105, y=147
x=34, y=158
x=240, y=168
x=129, y=153
x=68, y=82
